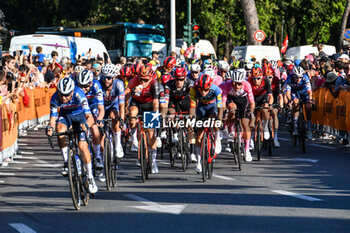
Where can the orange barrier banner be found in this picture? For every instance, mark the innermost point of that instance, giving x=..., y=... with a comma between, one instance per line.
x=341, y=103
x=9, y=126
x=34, y=105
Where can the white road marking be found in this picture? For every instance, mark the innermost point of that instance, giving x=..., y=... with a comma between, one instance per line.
x=47, y=165
x=223, y=177
x=310, y=144
x=20, y=162
x=153, y=206
x=166, y=163
x=26, y=153
x=7, y=174
x=322, y=146
x=296, y=195
x=1, y=181
x=22, y=144
x=306, y=160
x=22, y=228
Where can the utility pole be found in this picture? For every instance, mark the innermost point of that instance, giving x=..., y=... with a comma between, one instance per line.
x=189, y=23
x=172, y=26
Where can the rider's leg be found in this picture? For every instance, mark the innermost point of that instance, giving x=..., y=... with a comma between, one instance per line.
x=246, y=137
x=118, y=150
x=153, y=146
x=96, y=140
x=133, y=111
x=62, y=144
x=265, y=118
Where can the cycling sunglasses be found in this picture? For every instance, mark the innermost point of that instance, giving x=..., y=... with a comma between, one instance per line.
x=195, y=72
x=180, y=79
x=269, y=77
x=237, y=84
x=84, y=86
x=65, y=95
x=107, y=77
x=297, y=77
x=255, y=78
x=204, y=89
x=144, y=80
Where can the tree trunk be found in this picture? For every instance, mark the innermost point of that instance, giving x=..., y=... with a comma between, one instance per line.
x=251, y=20
x=343, y=24
x=214, y=41
x=227, y=49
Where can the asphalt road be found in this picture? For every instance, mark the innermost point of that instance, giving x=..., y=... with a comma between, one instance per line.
x=287, y=192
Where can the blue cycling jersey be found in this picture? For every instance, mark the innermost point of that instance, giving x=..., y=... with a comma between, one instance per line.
x=95, y=95
x=77, y=105
x=116, y=95
x=292, y=86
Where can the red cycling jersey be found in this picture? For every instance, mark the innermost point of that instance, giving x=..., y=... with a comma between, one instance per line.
x=148, y=94
x=263, y=88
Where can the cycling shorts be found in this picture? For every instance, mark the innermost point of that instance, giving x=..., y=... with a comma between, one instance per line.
x=145, y=107
x=262, y=99
x=303, y=95
x=181, y=105
x=75, y=121
x=205, y=111
x=243, y=105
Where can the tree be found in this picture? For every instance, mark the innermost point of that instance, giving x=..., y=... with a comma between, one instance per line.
x=343, y=24
x=251, y=19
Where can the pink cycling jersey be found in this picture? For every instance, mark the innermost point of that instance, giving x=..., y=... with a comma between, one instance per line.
x=227, y=89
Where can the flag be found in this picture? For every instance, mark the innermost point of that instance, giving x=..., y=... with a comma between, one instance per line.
x=284, y=45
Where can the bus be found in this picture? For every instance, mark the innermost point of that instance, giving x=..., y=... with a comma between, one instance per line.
x=122, y=38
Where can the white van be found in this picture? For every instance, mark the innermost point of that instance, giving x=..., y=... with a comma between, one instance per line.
x=65, y=46
x=257, y=51
x=203, y=49
x=299, y=52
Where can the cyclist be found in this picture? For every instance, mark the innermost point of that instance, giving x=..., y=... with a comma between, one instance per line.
x=195, y=72
x=223, y=68
x=179, y=101
x=277, y=100
x=144, y=91
x=206, y=102
x=125, y=75
x=114, y=101
x=96, y=68
x=261, y=87
x=298, y=88
x=238, y=97
x=167, y=68
x=74, y=112
x=93, y=92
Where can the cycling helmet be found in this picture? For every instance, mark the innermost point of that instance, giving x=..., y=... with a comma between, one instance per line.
x=205, y=81
x=169, y=62
x=279, y=63
x=210, y=71
x=273, y=64
x=298, y=71
x=85, y=77
x=180, y=72
x=146, y=72
x=166, y=77
x=78, y=69
x=223, y=65
x=297, y=62
x=249, y=65
x=195, y=68
x=256, y=72
x=153, y=74
x=136, y=68
x=290, y=67
x=65, y=85
x=117, y=68
x=109, y=70
x=268, y=72
x=97, y=67
x=125, y=72
x=238, y=75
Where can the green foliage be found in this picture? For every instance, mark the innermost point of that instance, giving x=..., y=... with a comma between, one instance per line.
x=306, y=21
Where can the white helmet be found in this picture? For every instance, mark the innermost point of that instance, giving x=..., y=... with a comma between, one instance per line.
x=210, y=72
x=78, y=69
x=298, y=71
x=249, y=65
x=109, y=70
x=195, y=67
x=238, y=75
x=85, y=77
x=65, y=85
x=223, y=65
x=273, y=64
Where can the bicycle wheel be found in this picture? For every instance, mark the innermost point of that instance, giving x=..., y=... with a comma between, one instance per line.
x=73, y=178
x=106, y=158
x=238, y=145
x=302, y=131
x=204, y=156
x=258, y=140
x=112, y=167
x=181, y=149
x=212, y=153
x=142, y=155
x=84, y=187
x=270, y=141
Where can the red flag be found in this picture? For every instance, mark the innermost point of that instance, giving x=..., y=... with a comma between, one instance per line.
x=284, y=45
x=189, y=50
